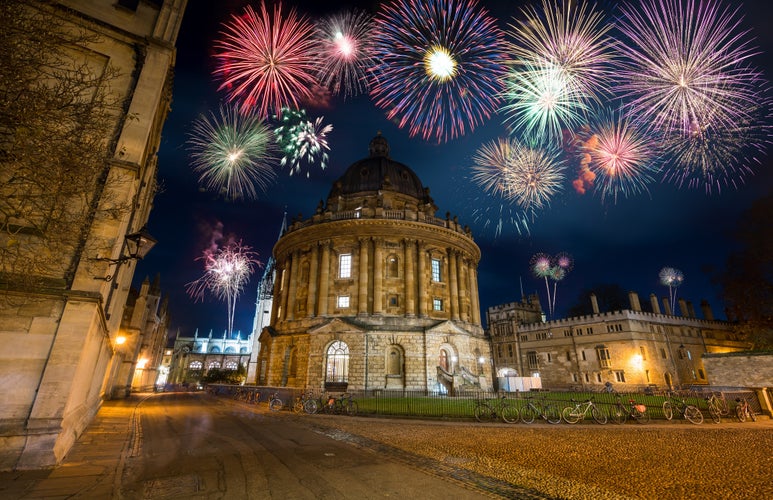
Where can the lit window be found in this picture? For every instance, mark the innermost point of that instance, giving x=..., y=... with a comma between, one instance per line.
x=602, y=353
x=437, y=304
x=345, y=265
x=343, y=301
x=620, y=376
x=195, y=365
x=337, y=362
x=231, y=365
x=436, y=270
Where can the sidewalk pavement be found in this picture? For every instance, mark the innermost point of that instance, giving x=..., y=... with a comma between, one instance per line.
x=92, y=468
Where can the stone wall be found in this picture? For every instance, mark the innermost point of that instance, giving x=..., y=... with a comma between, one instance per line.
x=740, y=369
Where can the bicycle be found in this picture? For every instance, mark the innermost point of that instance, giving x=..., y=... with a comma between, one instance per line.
x=744, y=411
x=274, y=403
x=717, y=407
x=486, y=412
x=620, y=412
x=300, y=402
x=546, y=411
x=573, y=414
x=689, y=412
x=346, y=404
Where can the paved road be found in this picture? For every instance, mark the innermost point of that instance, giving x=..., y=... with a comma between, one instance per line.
x=190, y=445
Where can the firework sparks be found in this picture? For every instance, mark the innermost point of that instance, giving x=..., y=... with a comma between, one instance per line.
x=527, y=175
x=301, y=140
x=344, y=48
x=232, y=153
x=266, y=61
x=572, y=40
x=619, y=156
x=227, y=270
x=671, y=278
x=686, y=65
x=439, y=66
x=555, y=268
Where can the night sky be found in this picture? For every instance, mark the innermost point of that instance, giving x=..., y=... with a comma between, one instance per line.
x=625, y=243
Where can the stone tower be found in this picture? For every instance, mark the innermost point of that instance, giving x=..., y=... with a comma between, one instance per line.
x=374, y=292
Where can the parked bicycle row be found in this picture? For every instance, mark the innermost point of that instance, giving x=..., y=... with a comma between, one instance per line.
x=342, y=404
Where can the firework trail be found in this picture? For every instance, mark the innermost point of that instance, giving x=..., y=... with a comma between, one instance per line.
x=227, y=270
x=300, y=139
x=573, y=41
x=266, y=61
x=554, y=268
x=232, y=153
x=439, y=66
x=620, y=158
x=344, y=45
x=671, y=278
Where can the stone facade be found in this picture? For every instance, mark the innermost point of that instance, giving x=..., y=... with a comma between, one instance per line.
x=375, y=292
x=59, y=332
x=193, y=357
x=740, y=369
x=630, y=349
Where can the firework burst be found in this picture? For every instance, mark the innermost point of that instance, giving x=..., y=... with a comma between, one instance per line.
x=620, y=157
x=301, y=139
x=227, y=270
x=439, y=65
x=573, y=40
x=524, y=174
x=344, y=48
x=671, y=278
x=266, y=61
x=554, y=268
x=232, y=153
x=685, y=65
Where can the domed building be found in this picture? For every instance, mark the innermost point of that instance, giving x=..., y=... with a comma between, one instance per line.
x=374, y=292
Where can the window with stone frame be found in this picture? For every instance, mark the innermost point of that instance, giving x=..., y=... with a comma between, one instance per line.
x=533, y=360
x=345, y=265
x=343, y=302
x=602, y=352
x=437, y=304
x=337, y=362
x=393, y=266
x=436, y=274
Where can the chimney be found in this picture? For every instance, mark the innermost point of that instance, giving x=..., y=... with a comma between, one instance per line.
x=594, y=303
x=654, y=304
x=706, y=310
x=666, y=307
x=633, y=298
x=690, y=309
x=683, y=308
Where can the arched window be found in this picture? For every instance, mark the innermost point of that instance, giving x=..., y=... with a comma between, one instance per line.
x=393, y=266
x=337, y=362
x=231, y=365
x=195, y=365
x=214, y=365
x=214, y=349
x=230, y=349
x=243, y=350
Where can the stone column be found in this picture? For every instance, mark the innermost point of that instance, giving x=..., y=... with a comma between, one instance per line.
x=311, y=303
x=362, y=295
x=474, y=299
x=284, y=278
x=453, y=284
x=422, y=279
x=292, y=285
x=410, y=278
x=461, y=265
x=324, y=279
x=378, y=275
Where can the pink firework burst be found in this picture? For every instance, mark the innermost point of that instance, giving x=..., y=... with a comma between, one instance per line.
x=266, y=61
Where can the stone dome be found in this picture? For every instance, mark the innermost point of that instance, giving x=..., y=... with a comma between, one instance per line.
x=379, y=172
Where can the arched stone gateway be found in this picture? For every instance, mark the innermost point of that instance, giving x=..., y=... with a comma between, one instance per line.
x=374, y=270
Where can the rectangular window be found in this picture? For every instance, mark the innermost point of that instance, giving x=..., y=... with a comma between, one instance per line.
x=510, y=350
x=700, y=374
x=620, y=376
x=663, y=353
x=647, y=373
x=598, y=377
x=643, y=353
x=345, y=265
x=550, y=358
x=533, y=360
x=590, y=331
x=437, y=304
x=568, y=356
x=343, y=301
x=574, y=377
x=436, y=270
x=524, y=338
x=587, y=378
x=603, y=355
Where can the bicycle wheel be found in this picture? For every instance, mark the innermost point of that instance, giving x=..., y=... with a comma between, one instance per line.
x=552, y=414
x=483, y=413
x=668, y=410
x=351, y=408
x=275, y=404
x=617, y=414
x=740, y=413
x=693, y=414
x=528, y=413
x=310, y=406
x=298, y=405
x=598, y=416
x=715, y=414
x=571, y=414
x=510, y=414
